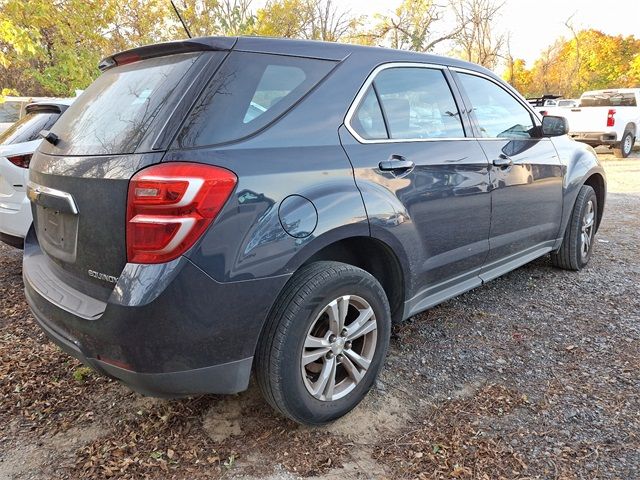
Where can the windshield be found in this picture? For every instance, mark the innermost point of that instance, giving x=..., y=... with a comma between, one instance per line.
x=28, y=127
x=608, y=99
x=114, y=113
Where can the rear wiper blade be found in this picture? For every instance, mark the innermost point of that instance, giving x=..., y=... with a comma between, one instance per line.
x=49, y=136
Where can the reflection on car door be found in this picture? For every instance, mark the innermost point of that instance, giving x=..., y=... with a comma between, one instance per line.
x=526, y=175
x=422, y=180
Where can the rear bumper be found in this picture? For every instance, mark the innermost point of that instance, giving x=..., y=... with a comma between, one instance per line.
x=229, y=377
x=595, y=138
x=166, y=330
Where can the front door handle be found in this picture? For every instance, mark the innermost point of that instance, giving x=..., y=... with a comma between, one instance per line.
x=397, y=164
x=503, y=161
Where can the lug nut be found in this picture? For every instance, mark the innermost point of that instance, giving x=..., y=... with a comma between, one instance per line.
x=339, y=357
x=329, y=355
x=344, y=332
x=347, y=345
x=332, y=338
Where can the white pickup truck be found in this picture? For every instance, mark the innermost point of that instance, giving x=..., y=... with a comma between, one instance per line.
x=605, y=117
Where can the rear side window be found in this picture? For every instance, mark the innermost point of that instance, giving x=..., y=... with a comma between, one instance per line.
x=28, y=127
x=499, y=115
x=248, y=92
x=408, y=103
x=114, y=113
x=418, y=103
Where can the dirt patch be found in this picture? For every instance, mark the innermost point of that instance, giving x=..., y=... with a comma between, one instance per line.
x=534, y=375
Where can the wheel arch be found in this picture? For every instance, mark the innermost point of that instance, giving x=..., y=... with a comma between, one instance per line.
x=596, y=181
x=631, y=127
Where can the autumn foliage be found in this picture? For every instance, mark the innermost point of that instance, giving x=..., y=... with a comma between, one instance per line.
x=52, y=47
x=591, y=60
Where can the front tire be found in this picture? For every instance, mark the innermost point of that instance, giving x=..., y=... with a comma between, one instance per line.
x=624, y=148
x=324, y=342
x=577, y=244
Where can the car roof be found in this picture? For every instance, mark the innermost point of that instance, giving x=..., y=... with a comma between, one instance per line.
x=295, y=47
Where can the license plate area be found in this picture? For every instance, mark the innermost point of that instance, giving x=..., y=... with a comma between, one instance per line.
x=57, y=232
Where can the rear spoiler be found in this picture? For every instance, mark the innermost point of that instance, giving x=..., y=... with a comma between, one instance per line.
x=167, y=48
x=46, y=107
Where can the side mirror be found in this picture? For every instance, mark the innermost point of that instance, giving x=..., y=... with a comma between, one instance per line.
x=553, y=126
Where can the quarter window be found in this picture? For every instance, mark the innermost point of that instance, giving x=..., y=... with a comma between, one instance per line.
x=368, y=120
x=417, y=103
x=498, y=114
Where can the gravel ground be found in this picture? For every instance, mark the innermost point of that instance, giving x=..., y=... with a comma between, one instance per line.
x=535, y=375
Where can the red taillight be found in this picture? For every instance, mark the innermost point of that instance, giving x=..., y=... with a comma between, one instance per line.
x=170, y=205
x=21, y=161
x=543, y=113
x=611, y=121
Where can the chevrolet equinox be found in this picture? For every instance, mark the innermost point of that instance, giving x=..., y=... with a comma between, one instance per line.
x=217, y=206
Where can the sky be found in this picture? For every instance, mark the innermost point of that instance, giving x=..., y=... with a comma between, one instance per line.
x=535, y=24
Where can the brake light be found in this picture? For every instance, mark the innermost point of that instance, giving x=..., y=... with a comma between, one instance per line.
x=126, y=57
x=543, y=113
x=21, y=161
x=611, y=121
x=170, y=205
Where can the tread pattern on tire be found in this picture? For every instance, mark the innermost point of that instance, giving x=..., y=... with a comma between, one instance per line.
x=567, y=256
x=281, y=316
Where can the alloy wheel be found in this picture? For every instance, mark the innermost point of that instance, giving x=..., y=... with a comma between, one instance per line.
x=588, y=223
x=339, y=348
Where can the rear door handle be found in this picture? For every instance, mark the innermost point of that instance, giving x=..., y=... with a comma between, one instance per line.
x=503, y=161
x=396, y=164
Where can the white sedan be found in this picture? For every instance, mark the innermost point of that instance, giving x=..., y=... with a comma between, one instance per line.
x=17, y=145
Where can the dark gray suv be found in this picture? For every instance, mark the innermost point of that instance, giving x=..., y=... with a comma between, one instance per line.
x=220, y=205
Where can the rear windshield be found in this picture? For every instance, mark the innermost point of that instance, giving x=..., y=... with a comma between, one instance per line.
x=113, y=114
x=28, y=127
x=247, y=93
x=9, y=112
x=608, y=99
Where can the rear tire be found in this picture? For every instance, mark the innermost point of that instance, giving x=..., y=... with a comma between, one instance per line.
x=577, y=244
x=305, y=324
x=624, y=148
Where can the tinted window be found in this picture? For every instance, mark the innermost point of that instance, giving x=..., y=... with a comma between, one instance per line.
x=608, y=99
x=28, y=127
x=368, y=120
x=499, y=115
x=418, y=103
x=9, y=111
x=248, y=92
x=113, y=114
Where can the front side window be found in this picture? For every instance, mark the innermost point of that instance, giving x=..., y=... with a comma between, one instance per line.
x=417, y=103
x=498, y=114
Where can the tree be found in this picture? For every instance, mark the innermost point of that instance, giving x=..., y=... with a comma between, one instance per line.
x=591, y=60
x=477, y=40
x=308, y=19
x=216, y=17
x=412, y=26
